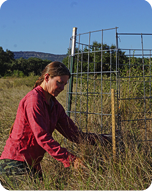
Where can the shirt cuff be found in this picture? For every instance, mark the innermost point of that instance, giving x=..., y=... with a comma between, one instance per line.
x=69, y=160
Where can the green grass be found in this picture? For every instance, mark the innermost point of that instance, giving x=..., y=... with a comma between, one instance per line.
x=132, y=169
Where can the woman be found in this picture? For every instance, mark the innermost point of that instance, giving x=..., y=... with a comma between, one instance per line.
x=38, y=115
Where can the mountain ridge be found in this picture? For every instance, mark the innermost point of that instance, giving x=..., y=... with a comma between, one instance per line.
x=41, y=55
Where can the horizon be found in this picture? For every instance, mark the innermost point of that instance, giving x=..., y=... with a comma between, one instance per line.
x=38, y=52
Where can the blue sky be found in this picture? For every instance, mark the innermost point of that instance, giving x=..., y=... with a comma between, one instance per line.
x=46, y=25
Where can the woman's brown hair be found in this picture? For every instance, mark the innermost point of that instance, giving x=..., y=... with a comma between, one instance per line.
x=53, y=69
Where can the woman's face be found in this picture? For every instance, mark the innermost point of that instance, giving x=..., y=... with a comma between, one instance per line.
x=56, y=84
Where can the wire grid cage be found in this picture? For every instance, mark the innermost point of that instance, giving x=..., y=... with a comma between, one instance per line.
x=92, y=81
x=97, y=68
x=135, y=88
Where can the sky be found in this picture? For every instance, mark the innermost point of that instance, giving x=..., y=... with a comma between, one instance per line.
x=46, y=25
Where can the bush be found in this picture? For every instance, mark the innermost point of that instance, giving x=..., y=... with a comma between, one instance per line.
x=17, y=73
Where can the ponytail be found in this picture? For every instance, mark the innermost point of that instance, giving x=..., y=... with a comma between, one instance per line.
x=11, y=129
x=38, y=82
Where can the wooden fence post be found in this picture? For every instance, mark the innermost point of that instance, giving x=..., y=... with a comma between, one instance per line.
x=113, y=123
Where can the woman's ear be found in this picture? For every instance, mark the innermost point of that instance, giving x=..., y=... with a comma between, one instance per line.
x=46, y=77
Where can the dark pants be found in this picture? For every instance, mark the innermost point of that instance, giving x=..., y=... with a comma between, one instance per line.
x=13, y=173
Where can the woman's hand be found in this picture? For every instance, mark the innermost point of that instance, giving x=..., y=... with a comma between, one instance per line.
x=78, y=164
x=105, y=139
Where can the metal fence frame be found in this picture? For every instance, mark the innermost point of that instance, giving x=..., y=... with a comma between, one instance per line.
x=75, y=94
x=131, y=53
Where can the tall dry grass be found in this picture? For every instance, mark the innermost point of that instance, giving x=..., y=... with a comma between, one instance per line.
x=132, y=169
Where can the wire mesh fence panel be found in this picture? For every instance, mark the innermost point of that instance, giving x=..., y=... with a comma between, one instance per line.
x=97, y=68
x=93, y=76
x=135, y=100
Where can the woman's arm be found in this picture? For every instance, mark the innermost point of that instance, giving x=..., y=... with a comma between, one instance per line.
x=69, y=130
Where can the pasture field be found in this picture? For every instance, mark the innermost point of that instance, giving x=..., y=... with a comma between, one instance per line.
x=132, y=169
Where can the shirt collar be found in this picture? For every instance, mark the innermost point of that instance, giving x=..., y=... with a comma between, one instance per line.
x=41, y=91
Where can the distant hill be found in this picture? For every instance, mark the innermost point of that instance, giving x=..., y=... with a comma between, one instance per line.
x=41, y=55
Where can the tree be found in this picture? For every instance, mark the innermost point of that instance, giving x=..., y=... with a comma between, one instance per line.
x=96, y=55
x=6, y=59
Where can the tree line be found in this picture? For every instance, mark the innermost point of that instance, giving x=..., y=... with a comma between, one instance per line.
x=20, y=67
x=23, y=67
x=107, y=55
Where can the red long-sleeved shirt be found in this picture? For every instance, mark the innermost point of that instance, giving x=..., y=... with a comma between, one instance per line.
x=32, y=132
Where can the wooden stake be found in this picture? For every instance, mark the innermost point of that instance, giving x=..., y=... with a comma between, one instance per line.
x=113, y=123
